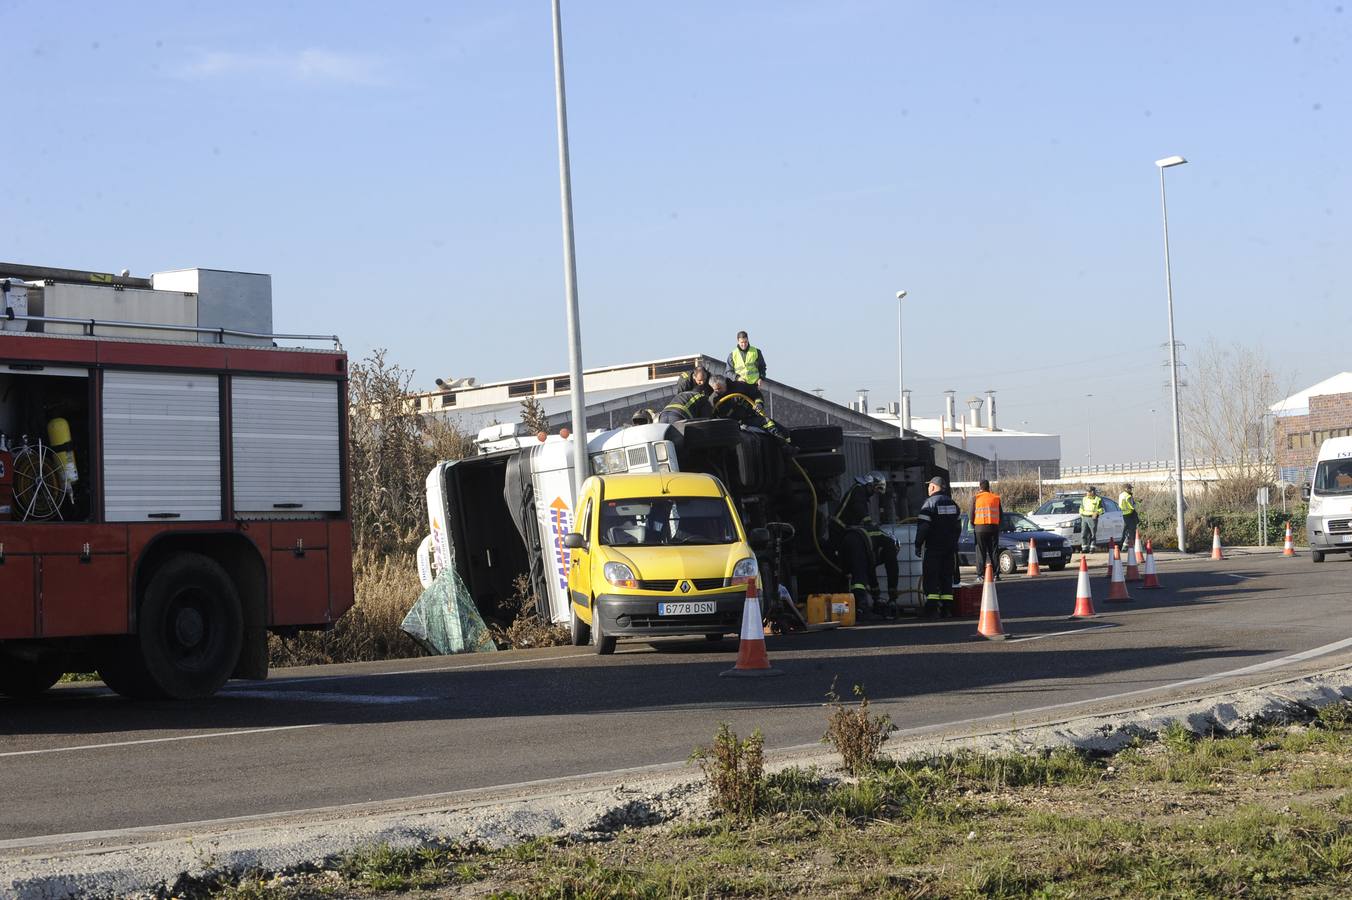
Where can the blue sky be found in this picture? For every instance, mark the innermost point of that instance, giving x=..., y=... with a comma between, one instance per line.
x=783, y=167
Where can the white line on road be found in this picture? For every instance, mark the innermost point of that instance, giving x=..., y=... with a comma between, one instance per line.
x=1038, y=637
x=302, y=679
x=165, y=740
x=326, y=696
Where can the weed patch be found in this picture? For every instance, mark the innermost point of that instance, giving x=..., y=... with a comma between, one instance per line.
x=735, y=770
x=856, y=734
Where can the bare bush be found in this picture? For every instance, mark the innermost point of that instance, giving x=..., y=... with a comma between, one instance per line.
x=856, y=734
x=735, y=770
x=527, y=628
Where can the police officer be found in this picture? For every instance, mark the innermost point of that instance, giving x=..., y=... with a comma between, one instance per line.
x=1130, y=517
x=865, y=546
x=745, y=362
x=686, y=405
x=732, y=404
x=936, y=540
x=1091, y=507
x=985, y=518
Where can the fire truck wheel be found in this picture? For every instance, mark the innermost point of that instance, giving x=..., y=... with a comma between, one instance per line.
x=579, y=631
x=191, y=628
x=22, y=679
x=605, y=645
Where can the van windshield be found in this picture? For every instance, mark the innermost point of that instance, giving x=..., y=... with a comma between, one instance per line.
x=1333, y=476
x=663, y=521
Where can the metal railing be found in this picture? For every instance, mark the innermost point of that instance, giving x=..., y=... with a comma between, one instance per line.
x=1166, y=465
x=89, y=325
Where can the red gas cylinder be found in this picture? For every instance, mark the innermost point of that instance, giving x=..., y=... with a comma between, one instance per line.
x=6, y=485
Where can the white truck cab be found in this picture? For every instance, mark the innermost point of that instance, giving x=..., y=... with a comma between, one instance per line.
x=1329, y=523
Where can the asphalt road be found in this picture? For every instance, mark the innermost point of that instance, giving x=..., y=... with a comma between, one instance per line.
x=84, y=761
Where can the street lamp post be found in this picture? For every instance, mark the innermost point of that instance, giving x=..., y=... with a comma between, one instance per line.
x=569, y=264
x=1089, y=429
x=901, y=384
x=1162, y=164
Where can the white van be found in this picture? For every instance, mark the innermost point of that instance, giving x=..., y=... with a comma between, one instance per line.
x=1329, y=524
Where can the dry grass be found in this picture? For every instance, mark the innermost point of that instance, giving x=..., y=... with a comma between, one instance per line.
x=528, y=629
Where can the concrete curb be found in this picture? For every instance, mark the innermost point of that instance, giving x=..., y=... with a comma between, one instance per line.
x=161, y=862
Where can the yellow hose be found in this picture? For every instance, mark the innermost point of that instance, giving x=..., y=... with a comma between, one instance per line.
x=815, y=542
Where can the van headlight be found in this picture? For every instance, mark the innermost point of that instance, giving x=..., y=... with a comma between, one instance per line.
x=1315, y=505
x=619, y=575
x=745, y=572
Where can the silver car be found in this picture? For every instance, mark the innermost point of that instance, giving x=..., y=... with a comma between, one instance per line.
x=1061, y=515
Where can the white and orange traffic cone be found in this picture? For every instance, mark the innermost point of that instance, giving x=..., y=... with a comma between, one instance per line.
x=1114, y=554
x=1216, y=552
x=1084, y=594
x=1140, y=551
x=989, y=626
x=751, y=657
x=1032, y=556
x=1289, y=545
x=1133, y=568
x=1117, y=589
x=1150, y=582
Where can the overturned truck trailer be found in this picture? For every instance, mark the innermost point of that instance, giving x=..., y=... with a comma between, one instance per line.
x=504, y=513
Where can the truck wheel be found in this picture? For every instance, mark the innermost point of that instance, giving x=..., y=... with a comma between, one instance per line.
x=1317, y=555
x=704, y=434
x=22, y=679
x=189, y=634
x=822, y=465
x=816, y=438
x=605, y=645
x=579, y=631
x=893, y=450
x=1006, y=563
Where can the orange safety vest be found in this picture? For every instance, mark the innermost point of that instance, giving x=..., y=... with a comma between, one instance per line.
x=987, y=509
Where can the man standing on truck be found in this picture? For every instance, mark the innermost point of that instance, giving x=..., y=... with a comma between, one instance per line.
x=936, y=541
x=1091, y=507
x=746, y=363
x=865, y=546
x=985, y=519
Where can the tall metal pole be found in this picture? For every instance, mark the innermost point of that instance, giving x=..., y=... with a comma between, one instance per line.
x=1173, y=361
x=901, y=384
x=580, y=470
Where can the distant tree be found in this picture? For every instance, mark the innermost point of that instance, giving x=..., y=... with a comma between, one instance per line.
x=1226, y=410
x=533, y=415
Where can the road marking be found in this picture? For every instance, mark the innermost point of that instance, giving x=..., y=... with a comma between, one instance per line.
x=1055, y=633
x=165, y=740
x=302, y=679
x=1233, y=575
x=326, y=696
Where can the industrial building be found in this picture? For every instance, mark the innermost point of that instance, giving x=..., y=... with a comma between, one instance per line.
x=1305, y=420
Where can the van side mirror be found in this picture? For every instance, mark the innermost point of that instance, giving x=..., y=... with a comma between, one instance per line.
x=1305, y=492
x=574, y=541
x=759, y=538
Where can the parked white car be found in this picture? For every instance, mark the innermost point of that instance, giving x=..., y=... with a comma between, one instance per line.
x=1061, y=515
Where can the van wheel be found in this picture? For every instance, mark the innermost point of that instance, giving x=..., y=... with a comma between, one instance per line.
x=604, y=643
x=22, y=679
x=579, y=631
x=190, y=630
x=1317, y=555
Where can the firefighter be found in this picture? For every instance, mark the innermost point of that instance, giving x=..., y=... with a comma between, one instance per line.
x=936, y=541
x=732, y=404
x=852, y=517
x=695, y=380
x=684, y=406
x=985, y=518
x=1091, y=507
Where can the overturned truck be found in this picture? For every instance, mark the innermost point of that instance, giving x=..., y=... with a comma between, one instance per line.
x=505, y=512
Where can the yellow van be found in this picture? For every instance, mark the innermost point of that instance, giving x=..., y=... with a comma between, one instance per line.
x=656, y=554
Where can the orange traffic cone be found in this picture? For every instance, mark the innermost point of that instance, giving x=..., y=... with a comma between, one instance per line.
x=1114, y=554
x=1084, y=594
x=1117, y=589
x=751, y=657
x=1216, y=544
x=1289, y=546
x=1151, y=581
x=989, y=626
x=1140, y=551
x=1133, y=568
x=1032, y=556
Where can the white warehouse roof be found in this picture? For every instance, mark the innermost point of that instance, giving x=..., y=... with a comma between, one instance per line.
x=1299, y=404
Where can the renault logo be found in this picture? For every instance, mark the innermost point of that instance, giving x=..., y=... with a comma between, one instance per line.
x=685, y=587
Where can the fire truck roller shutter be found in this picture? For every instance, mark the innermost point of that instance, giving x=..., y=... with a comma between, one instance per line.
x=285, y=438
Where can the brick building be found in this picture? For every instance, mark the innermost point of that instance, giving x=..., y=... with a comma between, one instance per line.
x=1305, y=420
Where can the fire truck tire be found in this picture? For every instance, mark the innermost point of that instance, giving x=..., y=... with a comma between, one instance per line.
x=816, y=438
x=22, y=679
x=189, y=635
x=822, y=465
x=604, y=643
x=579, y=631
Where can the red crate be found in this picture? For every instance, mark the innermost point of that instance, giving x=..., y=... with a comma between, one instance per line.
x=967, y=597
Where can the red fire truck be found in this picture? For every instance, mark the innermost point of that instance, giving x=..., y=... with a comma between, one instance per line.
x=173, y=483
